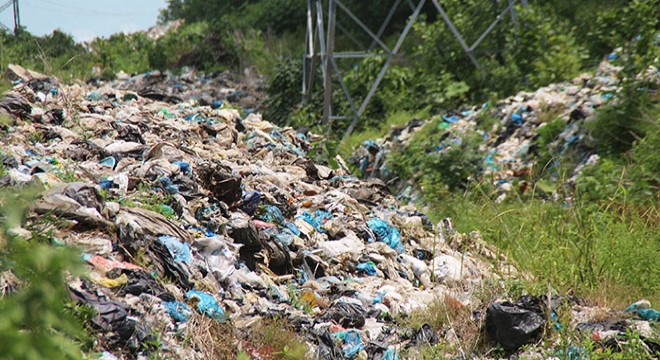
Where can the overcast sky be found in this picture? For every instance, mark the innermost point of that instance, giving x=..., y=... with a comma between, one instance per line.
x=84, y=19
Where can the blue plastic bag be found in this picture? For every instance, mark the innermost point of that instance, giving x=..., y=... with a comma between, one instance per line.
x=292, y=227
x=183, y=166
x=390, y=354
x=285, y=237
x=251, y=202
x=168, y=186
x=641, y=309
x=197, y=117
x=450, y=119
x=387, y=234
x=178, y=310
x=352, y=342
x=517, y=119
x=317, y=219
x=179, y=250
x=368, y=268
x=206, y=304
x=106, y=184
x=272, y=214
x=109, y=161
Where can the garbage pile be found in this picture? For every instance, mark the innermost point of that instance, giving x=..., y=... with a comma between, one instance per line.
x=244, y=91
x=182, y=210
x=509, y=155
x=508, y=149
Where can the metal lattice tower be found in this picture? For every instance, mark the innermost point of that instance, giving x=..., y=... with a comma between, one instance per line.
x=17, y=15
x=320, y=47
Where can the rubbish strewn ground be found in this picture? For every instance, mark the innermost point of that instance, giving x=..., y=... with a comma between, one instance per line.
x=206, y=225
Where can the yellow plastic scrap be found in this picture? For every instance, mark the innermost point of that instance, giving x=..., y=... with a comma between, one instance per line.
x=309, y=297
x=113, y=283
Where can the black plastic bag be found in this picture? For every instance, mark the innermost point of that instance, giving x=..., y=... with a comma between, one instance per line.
x=349, y=315
x=515, y=324
x=425, y=336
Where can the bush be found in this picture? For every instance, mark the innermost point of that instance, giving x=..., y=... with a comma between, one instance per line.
x=543, y=143
x=199, y=45
x=55, y=53
x=121, y=52
x=34, y=322
x=619, y=125
x=440, y=161
x=283, y=92
x=393, y=94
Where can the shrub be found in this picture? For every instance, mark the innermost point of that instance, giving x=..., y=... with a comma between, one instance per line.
x=34, y=322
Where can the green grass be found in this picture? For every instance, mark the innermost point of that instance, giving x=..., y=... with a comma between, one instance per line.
x=348, y=146
x=275, y=339
x=607, y=252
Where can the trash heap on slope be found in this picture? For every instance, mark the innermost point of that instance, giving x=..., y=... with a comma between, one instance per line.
x=182, y=210
x=508, y=157
x=507, y=150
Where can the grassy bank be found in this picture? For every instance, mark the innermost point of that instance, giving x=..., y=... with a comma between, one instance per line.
x=607, y=252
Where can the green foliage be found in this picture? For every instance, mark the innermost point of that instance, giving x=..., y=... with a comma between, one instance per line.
x=548, y=133
x=55, y=53
x=544, y=49
x=199, y=45
x=440, y=161
x=635, y=109
x=276, y=338
x=394, y=94
x=283, y=87
x=121, y=52
x=33, y=320
x=439, y=91
x=646, y=169
x=620, y=124
x=277, y=16
x=638, y=20
x=635, y=177
x=487, y=120
x=556, y=56
x=395, y=119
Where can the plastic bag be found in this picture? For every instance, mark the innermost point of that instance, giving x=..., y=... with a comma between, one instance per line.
x=347, y=314
x=180, y=251
x=178, y=310
x=369, y=268
x=352, y=342
x=387, y=234
x=515, y=324
x=206, y=304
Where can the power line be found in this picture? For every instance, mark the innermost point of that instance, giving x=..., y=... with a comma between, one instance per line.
x=80, y=11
